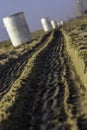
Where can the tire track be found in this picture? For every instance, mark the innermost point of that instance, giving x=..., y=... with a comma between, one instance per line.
x=53, y=99
x=59, y=106
x=11, y=70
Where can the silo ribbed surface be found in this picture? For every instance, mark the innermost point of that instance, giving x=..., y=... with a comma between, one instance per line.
x=17, y=29
x=54, y=24
x=46, y=24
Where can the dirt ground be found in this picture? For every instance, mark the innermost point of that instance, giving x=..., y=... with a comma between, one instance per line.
x=40, y=88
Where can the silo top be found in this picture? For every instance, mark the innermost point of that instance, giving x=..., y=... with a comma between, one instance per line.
x=15, y=19
x=46, y=18
x=13, y=15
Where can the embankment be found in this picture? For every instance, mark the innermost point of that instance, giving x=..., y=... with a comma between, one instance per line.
x=77, y=61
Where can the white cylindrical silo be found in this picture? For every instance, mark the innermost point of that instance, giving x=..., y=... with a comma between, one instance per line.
x=54, y=24
x=46, y=24
x=61, y=23
x=17, y=29
x=58, y=24
x=84, y=6
x=81, y=7
x=77, y=10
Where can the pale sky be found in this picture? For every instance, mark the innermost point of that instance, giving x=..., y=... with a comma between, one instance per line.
x=34, y=10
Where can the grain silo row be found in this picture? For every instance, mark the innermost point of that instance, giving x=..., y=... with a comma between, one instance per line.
x=46, y=24
x=49, y=25
x=18, y=30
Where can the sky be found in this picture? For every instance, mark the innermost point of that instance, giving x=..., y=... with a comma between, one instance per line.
x=34, y=10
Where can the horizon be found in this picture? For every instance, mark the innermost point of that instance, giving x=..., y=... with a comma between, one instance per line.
x=34, y=11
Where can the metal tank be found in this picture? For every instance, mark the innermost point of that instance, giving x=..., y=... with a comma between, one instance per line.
x=54, y=24
x=61, y=23
x=77, y=9
x=17, y=29
x=58, y=24
x=84, y=5
x=81, y=7
x=46, y=24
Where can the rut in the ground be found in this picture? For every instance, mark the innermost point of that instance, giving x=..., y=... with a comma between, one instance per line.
x=12, y=69
x=53, y=99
